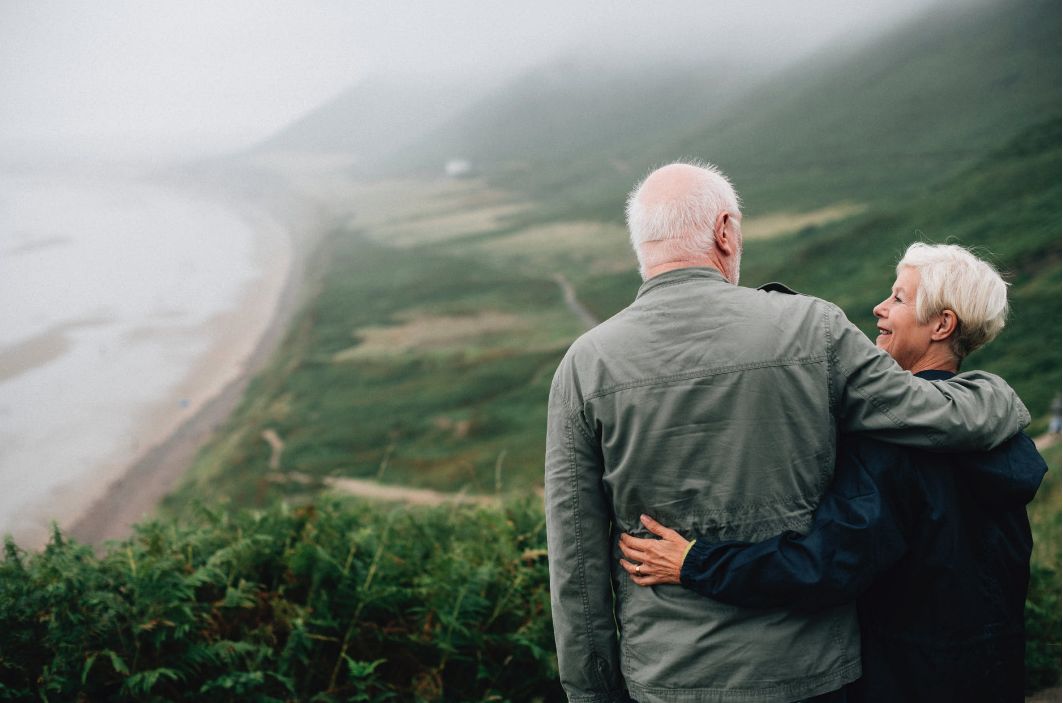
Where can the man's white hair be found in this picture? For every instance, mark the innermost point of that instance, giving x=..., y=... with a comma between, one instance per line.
x=950, y=277
x=685, y=223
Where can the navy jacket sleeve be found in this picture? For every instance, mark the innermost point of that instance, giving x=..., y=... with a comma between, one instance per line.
x=862, y=527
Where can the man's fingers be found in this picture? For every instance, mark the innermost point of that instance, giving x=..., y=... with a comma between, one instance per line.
x=659, y=529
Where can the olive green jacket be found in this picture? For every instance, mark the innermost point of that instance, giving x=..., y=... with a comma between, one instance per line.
x=715, y=409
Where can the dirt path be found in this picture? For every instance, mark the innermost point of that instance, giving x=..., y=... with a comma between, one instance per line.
x=404, y=494
x=578, y=309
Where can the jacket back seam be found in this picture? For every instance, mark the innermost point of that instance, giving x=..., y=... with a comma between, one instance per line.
x=705, y=373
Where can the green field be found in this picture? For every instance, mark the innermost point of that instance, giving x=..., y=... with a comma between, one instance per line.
x=426, y=357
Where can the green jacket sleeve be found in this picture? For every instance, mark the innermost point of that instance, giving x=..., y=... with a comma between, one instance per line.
x=578, y=524
x=871, y=394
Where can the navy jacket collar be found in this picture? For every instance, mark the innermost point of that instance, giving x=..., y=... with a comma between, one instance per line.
x=934, y=375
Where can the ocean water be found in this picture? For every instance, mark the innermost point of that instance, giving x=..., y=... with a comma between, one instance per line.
x=110, y=293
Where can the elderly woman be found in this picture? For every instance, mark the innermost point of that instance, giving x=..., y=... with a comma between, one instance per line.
x=934, y=548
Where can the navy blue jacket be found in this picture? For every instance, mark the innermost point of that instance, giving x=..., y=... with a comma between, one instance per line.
x=935, y=549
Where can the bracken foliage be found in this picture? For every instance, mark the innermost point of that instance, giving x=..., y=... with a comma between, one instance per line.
x=325, y=603
x=333, y=602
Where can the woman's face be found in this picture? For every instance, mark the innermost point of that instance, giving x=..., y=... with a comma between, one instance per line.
x=899, y=332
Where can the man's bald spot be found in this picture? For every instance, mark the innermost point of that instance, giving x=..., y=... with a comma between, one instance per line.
x=670, y=183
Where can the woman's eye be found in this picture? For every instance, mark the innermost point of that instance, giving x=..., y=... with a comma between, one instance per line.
x=897, y=299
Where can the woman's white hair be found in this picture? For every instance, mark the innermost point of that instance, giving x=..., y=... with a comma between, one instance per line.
x=685, y=223
x=950, y=277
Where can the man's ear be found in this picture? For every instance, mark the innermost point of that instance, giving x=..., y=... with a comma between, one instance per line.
x=946, y=324
x=724, y=235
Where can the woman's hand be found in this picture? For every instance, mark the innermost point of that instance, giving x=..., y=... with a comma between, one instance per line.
x=654, y=561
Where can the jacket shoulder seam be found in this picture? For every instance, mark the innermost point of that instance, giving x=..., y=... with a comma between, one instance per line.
x=705, y=373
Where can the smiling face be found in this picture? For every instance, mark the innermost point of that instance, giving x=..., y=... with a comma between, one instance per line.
x=899, y=331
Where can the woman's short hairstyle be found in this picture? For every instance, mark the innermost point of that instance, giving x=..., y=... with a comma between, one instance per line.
x=950, y=277
x=686, y=223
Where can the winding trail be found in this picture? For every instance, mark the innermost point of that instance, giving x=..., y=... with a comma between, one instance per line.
x=578, y=309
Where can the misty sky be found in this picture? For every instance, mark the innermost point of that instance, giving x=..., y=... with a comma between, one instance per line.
x=190, y=76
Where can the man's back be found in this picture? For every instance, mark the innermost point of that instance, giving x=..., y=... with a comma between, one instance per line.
x=711, y=405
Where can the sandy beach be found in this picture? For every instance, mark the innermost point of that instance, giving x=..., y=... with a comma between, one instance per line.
x=113, y=495
x=242, y=343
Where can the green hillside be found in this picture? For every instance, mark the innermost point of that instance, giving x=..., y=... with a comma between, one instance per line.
x=893, y=120
x=426, y=356
x=851, y=123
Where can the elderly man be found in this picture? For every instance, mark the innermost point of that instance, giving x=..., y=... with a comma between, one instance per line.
x=715, y=408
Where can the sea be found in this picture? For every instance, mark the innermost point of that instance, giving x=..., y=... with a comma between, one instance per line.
x=111, y=292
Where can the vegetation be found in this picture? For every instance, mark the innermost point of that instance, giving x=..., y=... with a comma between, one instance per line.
x=332, y=602
x=318, y=604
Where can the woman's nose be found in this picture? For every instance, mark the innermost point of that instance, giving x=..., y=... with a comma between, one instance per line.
x=880, y=309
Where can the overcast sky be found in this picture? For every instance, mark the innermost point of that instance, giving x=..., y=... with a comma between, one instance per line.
x=191, y=76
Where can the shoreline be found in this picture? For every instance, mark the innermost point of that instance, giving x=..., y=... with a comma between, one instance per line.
x=134, y=490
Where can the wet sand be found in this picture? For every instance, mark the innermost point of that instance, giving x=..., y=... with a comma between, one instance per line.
x=108, y=506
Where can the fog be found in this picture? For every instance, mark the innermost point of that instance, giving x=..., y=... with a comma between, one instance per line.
x=129, y=79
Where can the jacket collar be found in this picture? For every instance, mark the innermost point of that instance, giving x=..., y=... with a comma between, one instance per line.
x=683, y=275
x=935, y=375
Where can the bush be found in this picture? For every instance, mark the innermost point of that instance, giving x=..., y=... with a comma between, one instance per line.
x=315, y=604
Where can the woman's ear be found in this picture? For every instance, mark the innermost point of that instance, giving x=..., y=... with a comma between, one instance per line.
x=945, y=325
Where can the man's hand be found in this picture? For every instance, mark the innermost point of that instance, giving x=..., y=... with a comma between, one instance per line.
x=654, y=561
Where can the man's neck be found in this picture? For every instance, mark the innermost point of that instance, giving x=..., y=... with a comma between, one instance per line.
x=673, y=265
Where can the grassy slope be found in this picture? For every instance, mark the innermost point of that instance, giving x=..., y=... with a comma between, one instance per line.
x=448, y=412
x=446, y=416
x=875, y=123
x=892, y=120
